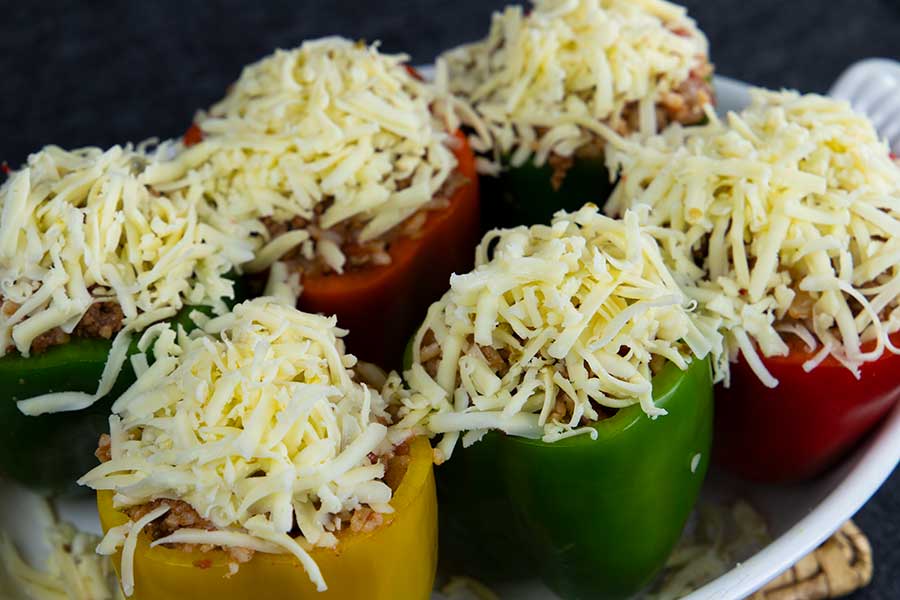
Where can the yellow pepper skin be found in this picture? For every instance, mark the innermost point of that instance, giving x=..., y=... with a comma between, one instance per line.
x=396, y=561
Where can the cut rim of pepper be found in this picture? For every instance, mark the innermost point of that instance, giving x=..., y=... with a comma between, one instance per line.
x=413, y=484
x=665, y=382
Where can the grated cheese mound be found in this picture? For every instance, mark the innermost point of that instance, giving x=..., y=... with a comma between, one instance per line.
x=549, y=81
x=577, y=311
x=794, y=206
x=79, y=227
x=257, y=423
x=334, y=128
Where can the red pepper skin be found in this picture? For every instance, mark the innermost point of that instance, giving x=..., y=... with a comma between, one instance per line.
x=194, y=135
x=383, y=305
x=808, y=422
x=414, y=72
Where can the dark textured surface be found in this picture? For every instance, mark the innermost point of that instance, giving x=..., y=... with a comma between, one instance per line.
x=79, y=72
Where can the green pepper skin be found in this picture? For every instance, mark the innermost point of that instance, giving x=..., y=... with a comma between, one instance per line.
x=461, y=484
x=524, y=195
x=477, y=538
x=49, y=452
x=595, y=518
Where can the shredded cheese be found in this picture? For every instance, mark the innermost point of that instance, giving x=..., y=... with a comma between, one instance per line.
x=574, y=312
x=72, y=571
x=332, y=132
x=550, y=80
x=794, y=204
x=256, y=421
x=129, y=546
x=82, y=227
x=718, y=536
x=465, y=588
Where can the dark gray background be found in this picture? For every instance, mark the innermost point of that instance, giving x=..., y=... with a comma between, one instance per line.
x=81, y=72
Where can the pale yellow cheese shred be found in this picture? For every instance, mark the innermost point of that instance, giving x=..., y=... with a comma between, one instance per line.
x=72, y=570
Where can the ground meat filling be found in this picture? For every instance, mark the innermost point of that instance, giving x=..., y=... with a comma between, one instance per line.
x=102, y=320
x=345, y=235
x=683, y=105
x=182, y=515
x=104, y=449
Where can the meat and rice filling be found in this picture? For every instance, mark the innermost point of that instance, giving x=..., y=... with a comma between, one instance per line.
x=499, y=362
x=182, y=515
x=684, y=105
x=547, y=84
x=103, y=320
x=309, y=257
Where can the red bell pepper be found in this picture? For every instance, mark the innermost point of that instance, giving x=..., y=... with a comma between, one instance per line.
x=194, y=135
x=382, y=305
x=808, y=422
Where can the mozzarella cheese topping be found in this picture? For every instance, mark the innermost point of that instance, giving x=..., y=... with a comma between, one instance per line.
x=82, y=227
x=333, y=131
x=257, y=423
x=542, y=82
x=794, y=204
x=576, y=311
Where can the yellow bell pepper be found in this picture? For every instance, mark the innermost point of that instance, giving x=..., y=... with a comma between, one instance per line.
x=396, y=561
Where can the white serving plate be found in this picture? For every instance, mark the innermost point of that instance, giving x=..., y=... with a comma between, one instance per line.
x=800, y=517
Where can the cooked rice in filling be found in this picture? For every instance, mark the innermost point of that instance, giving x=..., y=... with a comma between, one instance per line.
x=311, y=257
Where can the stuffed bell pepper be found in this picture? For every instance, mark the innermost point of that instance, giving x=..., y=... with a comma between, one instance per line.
x=89, y=255
x=782, y=221
x=335, y=160
x=569, y=391
x=249, y=461
x=542, y=90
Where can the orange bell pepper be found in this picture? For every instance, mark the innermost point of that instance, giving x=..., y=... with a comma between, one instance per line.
x=382, y=305
x=396, y=561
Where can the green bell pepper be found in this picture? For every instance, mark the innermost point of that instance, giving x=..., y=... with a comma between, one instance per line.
x=49, y=452
x=524, y=195
x=593, y=518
